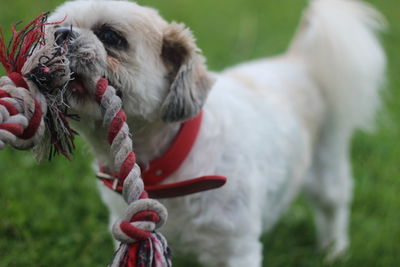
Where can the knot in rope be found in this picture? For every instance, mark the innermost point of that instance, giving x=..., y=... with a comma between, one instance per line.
x=141, y=218
x=21, y=114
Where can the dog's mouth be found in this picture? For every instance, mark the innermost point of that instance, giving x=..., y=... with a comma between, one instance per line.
x=77, y=85
x=85, y=70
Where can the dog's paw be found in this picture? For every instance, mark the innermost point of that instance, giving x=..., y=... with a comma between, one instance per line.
x=338, y=251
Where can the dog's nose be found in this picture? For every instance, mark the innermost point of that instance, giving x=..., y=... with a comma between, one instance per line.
x=63, y=35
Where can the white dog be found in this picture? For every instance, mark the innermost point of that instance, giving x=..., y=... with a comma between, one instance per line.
x=274, y=127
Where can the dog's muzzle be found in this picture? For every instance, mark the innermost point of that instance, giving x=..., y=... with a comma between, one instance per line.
x=65, y=35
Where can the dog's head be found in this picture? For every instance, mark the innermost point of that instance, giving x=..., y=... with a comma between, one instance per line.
x=155, y=66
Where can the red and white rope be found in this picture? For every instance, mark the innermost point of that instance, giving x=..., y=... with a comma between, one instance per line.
x=22, y=125
x=143, y=215
x=21, y=115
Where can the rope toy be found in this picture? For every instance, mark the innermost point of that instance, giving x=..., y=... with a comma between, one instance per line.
x=21, y=112
x=43, y=70
x=143, y=215
x=32, y=106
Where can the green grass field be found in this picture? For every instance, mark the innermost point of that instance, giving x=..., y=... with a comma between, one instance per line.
x=51, y=214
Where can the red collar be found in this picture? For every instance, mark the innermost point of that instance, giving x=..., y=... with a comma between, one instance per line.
x=159, y=169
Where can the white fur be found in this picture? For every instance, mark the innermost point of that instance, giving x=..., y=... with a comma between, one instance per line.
x=274, y=127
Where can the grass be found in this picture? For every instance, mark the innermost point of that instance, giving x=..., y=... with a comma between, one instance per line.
x=51, y=214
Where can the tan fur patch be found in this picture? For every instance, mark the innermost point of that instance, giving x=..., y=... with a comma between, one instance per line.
x=247, y=82
x=112, y=63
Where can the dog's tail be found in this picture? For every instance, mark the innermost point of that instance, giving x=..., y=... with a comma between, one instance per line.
x=338, y=42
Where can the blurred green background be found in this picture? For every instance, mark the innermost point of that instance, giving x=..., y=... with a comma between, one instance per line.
x=51, y=214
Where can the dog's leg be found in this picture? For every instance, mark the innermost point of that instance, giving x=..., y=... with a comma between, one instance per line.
x=339, y=45
x=329, y=189
x=115, y=204
x=233, y=252
x=223, y=235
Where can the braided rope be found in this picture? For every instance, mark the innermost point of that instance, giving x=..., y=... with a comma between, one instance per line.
x=143, y=216
x=21, y=114
x=22, y=125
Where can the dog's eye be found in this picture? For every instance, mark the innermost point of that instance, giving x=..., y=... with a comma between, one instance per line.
x=111, y=38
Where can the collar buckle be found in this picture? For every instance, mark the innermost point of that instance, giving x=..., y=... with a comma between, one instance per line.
x=102, y=175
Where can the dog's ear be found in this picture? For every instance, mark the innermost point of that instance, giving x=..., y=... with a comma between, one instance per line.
x=189, y=80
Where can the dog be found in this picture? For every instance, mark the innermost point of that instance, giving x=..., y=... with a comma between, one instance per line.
x=275, y=127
